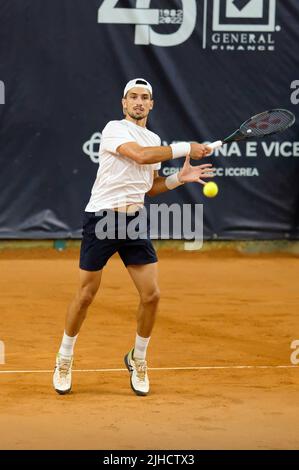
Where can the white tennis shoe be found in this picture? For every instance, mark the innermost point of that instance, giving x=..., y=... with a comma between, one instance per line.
x=138, y=371
x=62, y=378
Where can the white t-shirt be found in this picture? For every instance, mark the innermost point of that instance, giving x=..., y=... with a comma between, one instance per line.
x=121, y=181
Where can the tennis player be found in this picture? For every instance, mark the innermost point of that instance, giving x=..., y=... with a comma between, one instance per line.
x=130, y=157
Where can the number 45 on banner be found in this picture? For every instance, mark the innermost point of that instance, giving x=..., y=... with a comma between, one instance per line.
x=143, y=16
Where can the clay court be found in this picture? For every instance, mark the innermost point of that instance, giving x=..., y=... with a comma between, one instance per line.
x=219, y=358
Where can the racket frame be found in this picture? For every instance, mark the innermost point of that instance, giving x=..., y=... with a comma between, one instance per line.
x=240, y=135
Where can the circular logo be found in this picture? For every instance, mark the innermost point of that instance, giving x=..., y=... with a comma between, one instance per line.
x=92, y=147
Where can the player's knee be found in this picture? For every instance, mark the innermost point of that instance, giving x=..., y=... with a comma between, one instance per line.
x=151, y=297
x=86, y=297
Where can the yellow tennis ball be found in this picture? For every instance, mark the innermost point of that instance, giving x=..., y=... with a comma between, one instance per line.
x=210, y=189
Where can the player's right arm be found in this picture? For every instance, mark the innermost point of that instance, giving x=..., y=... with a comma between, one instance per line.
x=148, y=155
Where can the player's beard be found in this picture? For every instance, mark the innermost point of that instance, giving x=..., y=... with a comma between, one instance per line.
x=137, y=117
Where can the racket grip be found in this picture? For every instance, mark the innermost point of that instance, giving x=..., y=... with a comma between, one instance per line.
x=215, y=145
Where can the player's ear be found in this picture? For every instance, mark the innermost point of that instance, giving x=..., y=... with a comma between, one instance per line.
x=152, y=104
x=124, y=105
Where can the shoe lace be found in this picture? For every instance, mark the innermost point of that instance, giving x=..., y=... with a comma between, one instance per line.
x=64, y=367
x=141, y=369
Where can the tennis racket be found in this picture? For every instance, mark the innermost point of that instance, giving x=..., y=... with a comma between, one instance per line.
x=261, y=125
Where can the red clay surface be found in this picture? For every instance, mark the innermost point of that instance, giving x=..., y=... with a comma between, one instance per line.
x=219, y=310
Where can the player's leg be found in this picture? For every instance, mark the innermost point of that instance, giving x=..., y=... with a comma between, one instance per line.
x=145, y=278
x=94, y=253
x=89, y=282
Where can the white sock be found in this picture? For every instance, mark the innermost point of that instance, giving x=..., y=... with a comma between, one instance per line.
x=67, y=345
x=140, y=348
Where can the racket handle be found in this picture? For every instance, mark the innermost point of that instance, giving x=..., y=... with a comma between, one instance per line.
x=215, y=145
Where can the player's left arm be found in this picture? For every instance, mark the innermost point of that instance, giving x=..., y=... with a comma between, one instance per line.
x=188, y=174
x=159, y=185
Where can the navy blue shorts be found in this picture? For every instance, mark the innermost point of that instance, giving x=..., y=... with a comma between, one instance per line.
x=97, y=247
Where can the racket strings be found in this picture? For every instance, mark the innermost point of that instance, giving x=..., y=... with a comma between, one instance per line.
x=267, y=123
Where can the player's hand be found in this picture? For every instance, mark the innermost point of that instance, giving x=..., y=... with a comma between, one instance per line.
x=191, y=174
x=199, y=151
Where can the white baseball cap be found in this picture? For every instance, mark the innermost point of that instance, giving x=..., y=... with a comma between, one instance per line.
x=138, y=82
